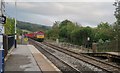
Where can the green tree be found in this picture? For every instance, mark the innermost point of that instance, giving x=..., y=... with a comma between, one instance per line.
x=77, y=36
x=80, y=36
x=56, y=29
x=66, y=27
x=116, y=26
x=9, y=26
x=103, y=31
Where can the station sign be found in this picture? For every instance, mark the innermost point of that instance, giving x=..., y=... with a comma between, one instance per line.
x=1, y=36
x=2, y=19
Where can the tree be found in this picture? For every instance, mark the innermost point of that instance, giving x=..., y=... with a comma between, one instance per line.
x=103, y=31
x=64, y=23
x=103, y=25
x=80, y=36
x=117, y=23
x=55, y=30
x=9, y=26
x=53, y=33
x=117, y=11
x=66, y=27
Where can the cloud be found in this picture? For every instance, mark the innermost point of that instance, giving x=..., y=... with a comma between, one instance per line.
x=60, y=0
x=87, y=13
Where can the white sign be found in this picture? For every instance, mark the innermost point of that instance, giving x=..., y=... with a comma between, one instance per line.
x=1, y=29
x=1, y=36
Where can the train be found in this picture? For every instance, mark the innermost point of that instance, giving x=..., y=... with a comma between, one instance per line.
x=38, y=36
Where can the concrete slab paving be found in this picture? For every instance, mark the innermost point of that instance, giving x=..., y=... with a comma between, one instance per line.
x=42, y=61
x=114, y=53
x=21, y=59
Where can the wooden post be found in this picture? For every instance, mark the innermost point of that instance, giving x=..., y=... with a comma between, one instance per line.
x=94, y=47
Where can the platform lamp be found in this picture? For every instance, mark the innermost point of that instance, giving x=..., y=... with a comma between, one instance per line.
x=88, y=40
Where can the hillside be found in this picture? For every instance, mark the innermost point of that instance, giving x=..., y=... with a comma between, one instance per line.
x=31, y=27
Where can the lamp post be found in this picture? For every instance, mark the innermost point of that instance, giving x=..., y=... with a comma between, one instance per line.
x=88, y=40
x=15, y=24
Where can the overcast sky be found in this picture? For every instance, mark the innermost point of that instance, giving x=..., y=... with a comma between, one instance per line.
x=46, y=13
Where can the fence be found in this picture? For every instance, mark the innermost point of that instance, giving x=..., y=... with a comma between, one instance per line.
x=112, y=46
x=8, y=42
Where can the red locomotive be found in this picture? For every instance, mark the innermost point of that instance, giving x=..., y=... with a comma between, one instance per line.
x=39, y=36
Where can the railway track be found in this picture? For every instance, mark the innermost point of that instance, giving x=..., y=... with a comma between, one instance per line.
x=97, y=63
x=65, y=67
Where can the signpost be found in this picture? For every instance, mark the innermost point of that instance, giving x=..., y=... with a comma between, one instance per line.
x=2, y=19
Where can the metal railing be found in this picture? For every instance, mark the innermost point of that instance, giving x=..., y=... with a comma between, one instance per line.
x=8, y=43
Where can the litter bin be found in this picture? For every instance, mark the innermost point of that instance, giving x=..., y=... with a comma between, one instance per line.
x=1, y=60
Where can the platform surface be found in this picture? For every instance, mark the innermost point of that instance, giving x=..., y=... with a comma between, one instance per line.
x=114, y=53
x=28, y=58
x=21, y=59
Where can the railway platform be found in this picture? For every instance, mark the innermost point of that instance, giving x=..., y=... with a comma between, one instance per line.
x=26, y=58
x=114, y=53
